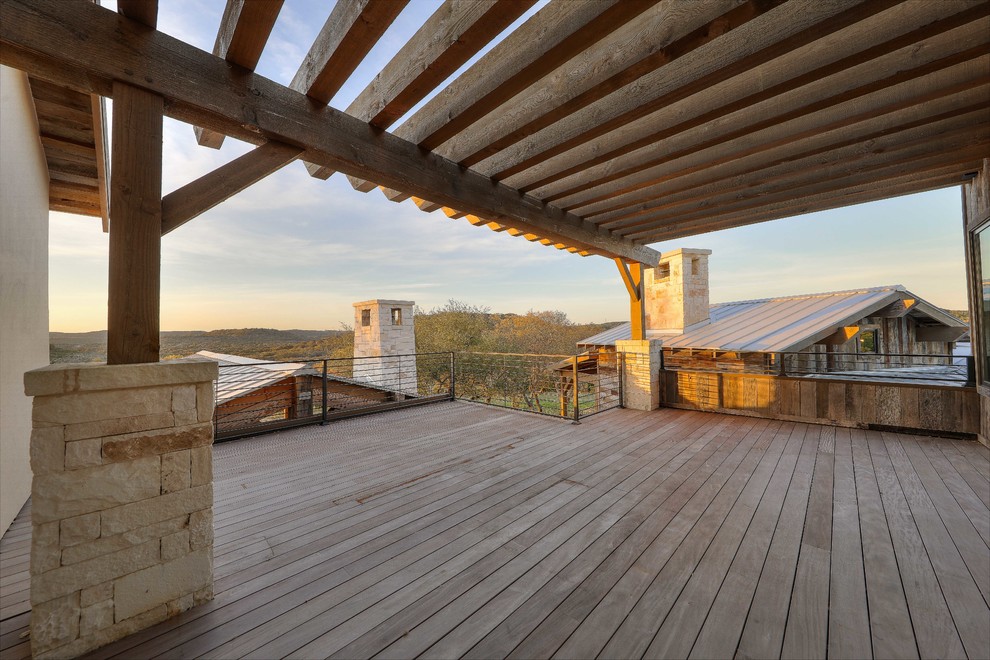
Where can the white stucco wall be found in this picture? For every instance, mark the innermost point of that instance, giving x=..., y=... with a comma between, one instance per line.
x=23, y=282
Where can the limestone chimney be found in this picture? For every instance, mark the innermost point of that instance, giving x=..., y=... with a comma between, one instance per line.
x=677, y=291
x=385, y=344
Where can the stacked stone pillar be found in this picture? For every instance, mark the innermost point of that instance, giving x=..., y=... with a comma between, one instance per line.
x=641, y=379
x=122, y=499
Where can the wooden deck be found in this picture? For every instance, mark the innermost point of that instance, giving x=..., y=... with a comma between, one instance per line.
x=457, y=530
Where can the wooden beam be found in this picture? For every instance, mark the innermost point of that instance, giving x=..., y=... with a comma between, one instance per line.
x=450, y=37
x=86, y=48
x=632, y=277
x=842, y=335
x=785, y=143
x=743, y=49
x=199, y=196
x=659, y=36
x=800, y=84
x=896, y=309
x=873, y=151
x=102, y=153
x=873, y=190
x=244, y=30
x=347, y=36
x=142, y=11
x=135, y=226
x=551, y=37
x=960, y=150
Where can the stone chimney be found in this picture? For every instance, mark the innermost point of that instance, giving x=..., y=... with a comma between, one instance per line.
x=677, y=291
x=384, y=330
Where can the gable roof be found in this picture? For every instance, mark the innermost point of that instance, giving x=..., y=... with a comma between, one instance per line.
x=243, y=375
x=783, y=324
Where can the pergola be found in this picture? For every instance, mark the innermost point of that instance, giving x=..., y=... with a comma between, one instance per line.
x=596, y=127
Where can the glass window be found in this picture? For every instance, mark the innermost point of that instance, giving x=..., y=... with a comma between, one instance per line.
x=396, y=316
x=869, y=341
x=982, y=259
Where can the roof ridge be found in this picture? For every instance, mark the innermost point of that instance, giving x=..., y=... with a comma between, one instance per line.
x=824, y=294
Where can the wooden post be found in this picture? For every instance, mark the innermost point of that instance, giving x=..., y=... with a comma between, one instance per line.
x=135, y=226
x=632, y=277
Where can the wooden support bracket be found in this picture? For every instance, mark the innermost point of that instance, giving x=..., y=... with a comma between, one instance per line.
x=632, y=277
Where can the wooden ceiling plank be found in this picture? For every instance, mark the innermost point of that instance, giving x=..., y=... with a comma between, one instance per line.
x=75, y=208
x=958, y=162
x=752, y=44
x=656, y=38
x=209, y=190
x=869, y=192
x=887, y=111
x=914, y=143
x=43, y=90
x=552, y=36
x=82, y=150
x=142, y=11
x=730, y=162
x=455, y=32
x=86, y=48
x=244, y=30
x=828, y=67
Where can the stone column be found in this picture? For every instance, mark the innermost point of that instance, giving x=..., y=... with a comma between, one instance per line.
x=121, y=499
x=641, y=383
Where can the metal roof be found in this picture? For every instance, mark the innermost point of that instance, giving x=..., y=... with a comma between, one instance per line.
x=779, y=324
x=243, y=375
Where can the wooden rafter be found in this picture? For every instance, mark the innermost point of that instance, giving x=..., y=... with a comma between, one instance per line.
x=799, y=94
x=142, y=11
x=85, y=47
x=448, y=39
x=244, y=30
x=742, y=49
x=199, y=196
x=553, y=36
x=659, y=36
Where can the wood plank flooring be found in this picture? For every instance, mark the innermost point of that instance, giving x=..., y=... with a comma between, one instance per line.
x=459, y=530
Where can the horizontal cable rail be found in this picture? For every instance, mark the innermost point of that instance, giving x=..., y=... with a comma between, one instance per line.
x=543, y=384
x=896, y=367
x=261, y=397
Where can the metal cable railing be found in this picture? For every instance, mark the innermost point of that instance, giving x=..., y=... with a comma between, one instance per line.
x=896, y=367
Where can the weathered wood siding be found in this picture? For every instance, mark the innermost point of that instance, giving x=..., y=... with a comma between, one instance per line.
x=838, y=402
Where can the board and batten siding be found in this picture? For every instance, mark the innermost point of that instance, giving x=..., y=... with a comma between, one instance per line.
x=976, y=211
x=954, y=410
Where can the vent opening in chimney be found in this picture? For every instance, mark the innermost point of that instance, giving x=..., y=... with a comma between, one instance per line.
x=663, y=271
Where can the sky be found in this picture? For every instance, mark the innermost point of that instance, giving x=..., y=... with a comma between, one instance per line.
x=293, y=251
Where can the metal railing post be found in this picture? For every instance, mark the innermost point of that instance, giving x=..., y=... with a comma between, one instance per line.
x=781, y=369
x=971, y=370
x=453, y=367
x=577, y=410
x=621, y=358
x=323, y=412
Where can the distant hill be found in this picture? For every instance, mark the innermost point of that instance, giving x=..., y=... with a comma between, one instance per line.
x=961, y=314
x=261, y=343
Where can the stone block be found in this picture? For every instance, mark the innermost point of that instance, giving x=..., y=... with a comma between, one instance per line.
x=47, y=450
x=175, y=471
x=203, y=595
x=83, y=453
x=180, y=605
x=175, y=545
x=166, y=507
x=92, y=406
x=156, y=585
x=104, y=636
x=118, y=426
x=64, y=378
x=184, y=398
x=185, y=417
x=79, y=529
x=54, y=622
x=96, y=617
x=96, y=594
x=159, y=441
x=68, y=579
x=108, y=544
x=201, y=529
x=205, y=401
x=65, y=494
x=46, y=554
x=201, y=466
